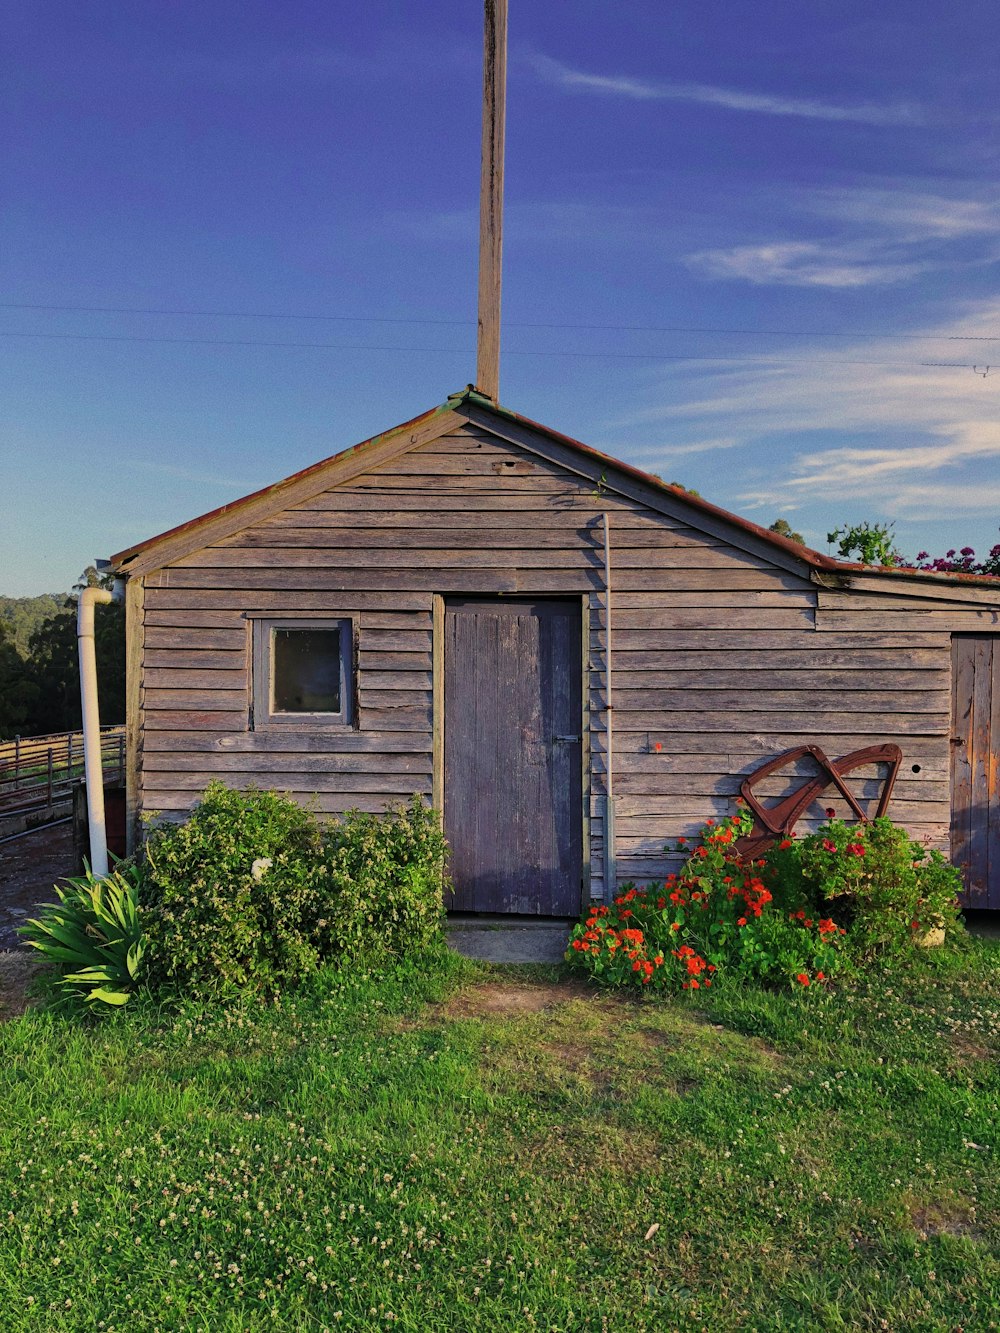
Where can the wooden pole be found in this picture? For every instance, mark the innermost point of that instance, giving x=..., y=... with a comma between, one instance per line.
x=491, y=198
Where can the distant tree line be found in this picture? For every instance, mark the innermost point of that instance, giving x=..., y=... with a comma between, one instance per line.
x=40, y=668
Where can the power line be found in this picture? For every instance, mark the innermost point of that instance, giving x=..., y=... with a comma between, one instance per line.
x=419, y=319
x=466, y=351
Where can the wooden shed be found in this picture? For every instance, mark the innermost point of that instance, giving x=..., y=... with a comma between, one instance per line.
x=451, y=607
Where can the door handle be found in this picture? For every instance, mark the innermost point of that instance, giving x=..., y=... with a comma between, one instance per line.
x=958, y=740
x=564, y=740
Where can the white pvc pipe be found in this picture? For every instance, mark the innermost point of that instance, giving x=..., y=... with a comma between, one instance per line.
x=92, y=766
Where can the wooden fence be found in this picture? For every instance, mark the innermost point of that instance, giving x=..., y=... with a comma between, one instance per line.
x=37, y=772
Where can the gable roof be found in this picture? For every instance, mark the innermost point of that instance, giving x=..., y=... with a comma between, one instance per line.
x=471, y=407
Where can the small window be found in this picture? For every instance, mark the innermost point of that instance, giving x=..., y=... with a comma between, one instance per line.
x=302, y=673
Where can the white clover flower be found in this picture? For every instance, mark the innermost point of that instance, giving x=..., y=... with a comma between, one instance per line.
x=260, y=868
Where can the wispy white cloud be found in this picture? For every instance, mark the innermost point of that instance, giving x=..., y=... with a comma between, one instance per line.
x=934, y=429
x=803, y=264
x=559, y=75
x=911, y=215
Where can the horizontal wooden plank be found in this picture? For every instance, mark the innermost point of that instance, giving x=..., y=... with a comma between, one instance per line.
x=376, y=659
x=191, y=720
x=817, y=661
x=436, y=487
x=651, y=765
x=960, y=618
x=958, y=599
x=395, y=719
x=409, y=641
x=398, y=785
x=284, y=761
x=194, y=638
x=645, y=815
x=371, y=681
x=331, y=744
x=916, y=587
x=776, y=723
x=681, y=741
x=666, y=783
x=395, y=698
x=339, y=591
x=486, y=464
x=270, y=560
x=195, y=678
x=172, y=805
x=218, y=604
x=195, y=659
x=372, y=510
x=720, y=593
x=793, y=617
x=347, y=535
x=656, y=637
x=935, y=703
x=731, y=580
x=196, y=699
x=732, y=677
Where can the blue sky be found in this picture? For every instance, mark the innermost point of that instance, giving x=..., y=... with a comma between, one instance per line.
x=752, y=247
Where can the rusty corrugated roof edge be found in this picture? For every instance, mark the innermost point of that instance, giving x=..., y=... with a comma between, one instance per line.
x=473, y=397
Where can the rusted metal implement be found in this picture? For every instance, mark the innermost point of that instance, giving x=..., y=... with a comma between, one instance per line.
x=778, y=820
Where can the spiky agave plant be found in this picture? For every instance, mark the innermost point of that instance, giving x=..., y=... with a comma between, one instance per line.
x=93, y=935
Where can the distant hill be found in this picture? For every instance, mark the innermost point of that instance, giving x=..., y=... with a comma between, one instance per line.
x=21, y=616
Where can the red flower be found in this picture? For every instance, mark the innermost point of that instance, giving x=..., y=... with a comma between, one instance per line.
x=784, y=845
x=830, y=812
x=802, y=977
x=829, y=846
x=820, y=976
x=742, y=921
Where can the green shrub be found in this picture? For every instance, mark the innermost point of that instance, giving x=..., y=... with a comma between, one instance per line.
x=886, y=890
x=384, y=882
x=714, y=918
x=231, y=896
x=93, y=936
x=253, y=893
x=813, y=908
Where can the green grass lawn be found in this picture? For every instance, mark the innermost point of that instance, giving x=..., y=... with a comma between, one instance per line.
x=476, y=1148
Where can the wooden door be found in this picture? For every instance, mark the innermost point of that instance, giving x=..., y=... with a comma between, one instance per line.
x=975, y=766
x=513, y=713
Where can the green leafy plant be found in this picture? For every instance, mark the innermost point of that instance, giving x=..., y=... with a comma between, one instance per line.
x=230, y=895
x=384, y=882
x=873, y=543
x=252, y=893
x=715, y=917
x=884, y=889
x=94, y=936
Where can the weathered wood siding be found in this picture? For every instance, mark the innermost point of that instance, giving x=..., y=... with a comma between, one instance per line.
x=721, y=657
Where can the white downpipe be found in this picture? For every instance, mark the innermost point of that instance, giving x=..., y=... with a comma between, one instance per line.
x=610, y=853
x=93, y=768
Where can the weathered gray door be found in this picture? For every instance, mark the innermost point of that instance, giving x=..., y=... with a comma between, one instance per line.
x=975, y=765
x=513, y=804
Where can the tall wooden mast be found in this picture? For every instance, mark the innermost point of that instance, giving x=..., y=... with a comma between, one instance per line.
x=491, y=197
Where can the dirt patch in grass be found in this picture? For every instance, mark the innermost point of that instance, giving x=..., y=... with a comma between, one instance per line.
x=492, y=997
x=949, y=1217
x=967, y=1049
x=16, y=971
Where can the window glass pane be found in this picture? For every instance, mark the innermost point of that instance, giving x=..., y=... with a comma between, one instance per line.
x=306, y=672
